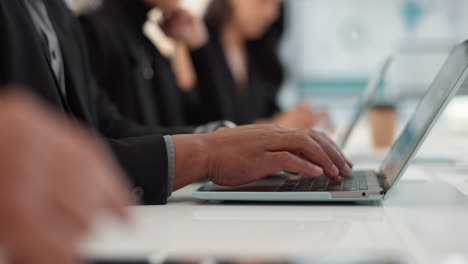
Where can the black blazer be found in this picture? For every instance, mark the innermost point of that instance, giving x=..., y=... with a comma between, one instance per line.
x=220, y=98
x=23, y=61
x=131, y=70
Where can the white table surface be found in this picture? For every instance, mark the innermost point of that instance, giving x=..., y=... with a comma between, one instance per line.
x=425, y=220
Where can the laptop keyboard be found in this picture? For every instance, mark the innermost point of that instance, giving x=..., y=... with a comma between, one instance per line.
x=323, y=184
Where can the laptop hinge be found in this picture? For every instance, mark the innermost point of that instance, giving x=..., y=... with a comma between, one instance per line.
x=383, y=181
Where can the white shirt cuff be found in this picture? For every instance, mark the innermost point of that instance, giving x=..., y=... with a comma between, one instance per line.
x=170, y=164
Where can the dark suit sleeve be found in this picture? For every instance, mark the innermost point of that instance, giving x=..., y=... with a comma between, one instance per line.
x=145, y=160
x=141, y=152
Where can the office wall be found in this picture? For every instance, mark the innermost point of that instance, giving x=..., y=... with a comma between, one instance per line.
x=334, y=45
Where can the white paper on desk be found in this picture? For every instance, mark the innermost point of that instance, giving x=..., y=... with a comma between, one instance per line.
x=416, y=173
x=457, y=180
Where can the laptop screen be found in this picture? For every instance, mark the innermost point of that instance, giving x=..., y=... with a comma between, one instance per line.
x=365, y=100
x=445, y=84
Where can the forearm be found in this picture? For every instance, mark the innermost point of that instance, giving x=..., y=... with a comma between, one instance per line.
x=192, y=162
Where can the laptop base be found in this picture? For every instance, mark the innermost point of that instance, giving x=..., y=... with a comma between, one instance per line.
x=273, y=189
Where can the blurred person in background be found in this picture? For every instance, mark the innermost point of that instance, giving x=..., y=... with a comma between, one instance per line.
x=134, y=73
x=238, y=73
x=46, y=52
x=53, y=183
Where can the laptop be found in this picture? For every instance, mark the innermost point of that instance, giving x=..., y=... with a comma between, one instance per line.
x=365, y=100
x=362, y=185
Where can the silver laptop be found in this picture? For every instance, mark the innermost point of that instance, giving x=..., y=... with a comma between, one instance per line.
x=362, y=185
x=365, y=100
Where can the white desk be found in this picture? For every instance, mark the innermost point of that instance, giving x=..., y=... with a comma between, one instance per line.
x=423, y=225
x=426, y=220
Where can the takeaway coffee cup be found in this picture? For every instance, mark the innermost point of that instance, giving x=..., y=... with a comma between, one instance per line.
x=383, y=123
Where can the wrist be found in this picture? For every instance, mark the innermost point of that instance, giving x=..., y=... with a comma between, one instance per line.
x=192, y=159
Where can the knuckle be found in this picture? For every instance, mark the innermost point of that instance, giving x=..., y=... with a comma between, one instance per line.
x=322, y=134
x=303, y=139
x=281, y=157
x=318, y=136
x=338, y=160
x=328, y=146
x=274, y=127
x=325, y=158
x=316, y=145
